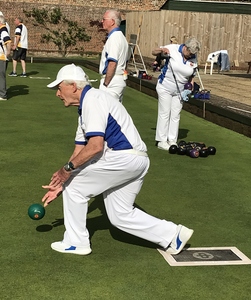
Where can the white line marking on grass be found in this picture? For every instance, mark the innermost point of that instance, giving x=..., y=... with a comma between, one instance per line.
x=37, y=77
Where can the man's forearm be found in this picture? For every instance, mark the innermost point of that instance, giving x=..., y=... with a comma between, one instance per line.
x=111, y=69
x=94, y=147
x=160, y=50
x=17, y=39
x=8, y=49
x=156, y=51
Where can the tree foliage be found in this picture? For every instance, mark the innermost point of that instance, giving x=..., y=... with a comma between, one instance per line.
x=61, y=31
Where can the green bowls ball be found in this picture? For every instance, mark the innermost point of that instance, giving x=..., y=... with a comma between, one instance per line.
x=36, y=211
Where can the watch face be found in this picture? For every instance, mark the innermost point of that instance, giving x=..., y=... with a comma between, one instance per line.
x=67, y=167
x=71, y=166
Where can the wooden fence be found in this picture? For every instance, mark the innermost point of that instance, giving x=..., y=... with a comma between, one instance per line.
x=230, y=32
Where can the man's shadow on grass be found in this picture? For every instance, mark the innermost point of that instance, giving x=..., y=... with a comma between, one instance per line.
x=17, y=90
x=102, y=223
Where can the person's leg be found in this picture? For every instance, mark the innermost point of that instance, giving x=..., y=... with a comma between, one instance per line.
x=176, y=107
x=75, y=212
x=164, y=109
x=119, y=203
x=15, y=57
x=23, y=59
x=14, y=65
x=3, y=92
x=23, y=64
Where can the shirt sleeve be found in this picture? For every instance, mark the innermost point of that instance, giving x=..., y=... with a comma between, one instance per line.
x=80, y=135
x=95, y=115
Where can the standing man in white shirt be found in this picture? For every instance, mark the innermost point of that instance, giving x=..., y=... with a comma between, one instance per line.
x=20, y=47
x=114, y=56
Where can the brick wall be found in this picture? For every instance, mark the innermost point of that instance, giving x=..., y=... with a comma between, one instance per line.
x=121, y=4
x=81, y=11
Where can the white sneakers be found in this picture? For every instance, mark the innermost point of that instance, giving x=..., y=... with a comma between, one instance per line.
x=172, y=143
x=179, y=241
x=163, y=146
x=166, y=145
x=183, y=234
x=64, y=248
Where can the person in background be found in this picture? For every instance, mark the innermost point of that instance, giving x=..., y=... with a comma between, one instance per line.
x=20, y=47
x=157, y=64
x=6, y=24
x=180, y=68
x=114, y=56
x=109, y=158
x=8, y=29
x=5, y=47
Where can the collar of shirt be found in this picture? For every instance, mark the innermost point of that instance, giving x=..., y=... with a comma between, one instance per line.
x=180, y=50
x=115, y=29
x=85, y=90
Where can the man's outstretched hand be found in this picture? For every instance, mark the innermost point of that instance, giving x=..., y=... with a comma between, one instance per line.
x=59, y=178
x=52, y=194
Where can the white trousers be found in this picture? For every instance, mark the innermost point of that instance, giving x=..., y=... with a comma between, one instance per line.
x=169, y=108
x=115, y=88
x=119, y=177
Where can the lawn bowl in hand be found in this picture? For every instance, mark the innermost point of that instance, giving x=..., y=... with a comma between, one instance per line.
x=36, y=211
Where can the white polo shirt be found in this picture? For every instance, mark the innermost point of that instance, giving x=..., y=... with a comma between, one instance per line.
x=21, y=31
x=4, y=39
x=115, y=49
x=100, y=114
x=182, y=69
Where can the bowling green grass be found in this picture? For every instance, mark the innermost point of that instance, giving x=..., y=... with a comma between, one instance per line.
x=210, y=195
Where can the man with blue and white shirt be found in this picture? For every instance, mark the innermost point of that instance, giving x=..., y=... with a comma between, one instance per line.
x=179, y=69
x=109, y=158
x=114, y=56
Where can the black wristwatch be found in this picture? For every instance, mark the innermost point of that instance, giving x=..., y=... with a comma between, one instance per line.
x=69, y=166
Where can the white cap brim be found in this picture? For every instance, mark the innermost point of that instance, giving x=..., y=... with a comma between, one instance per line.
x=54, y=83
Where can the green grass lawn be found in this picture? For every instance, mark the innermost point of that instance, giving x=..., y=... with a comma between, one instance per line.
x=210, y=195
